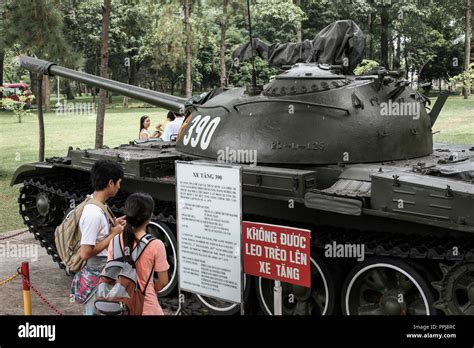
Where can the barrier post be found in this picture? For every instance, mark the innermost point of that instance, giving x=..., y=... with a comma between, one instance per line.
x=25, y=271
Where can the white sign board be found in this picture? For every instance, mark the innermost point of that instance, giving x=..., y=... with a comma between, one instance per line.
x=209, y=208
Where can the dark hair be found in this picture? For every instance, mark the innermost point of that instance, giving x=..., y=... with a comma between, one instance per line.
x=142, y=123
x=103, y=171
x=171, y=116
x=138, y=210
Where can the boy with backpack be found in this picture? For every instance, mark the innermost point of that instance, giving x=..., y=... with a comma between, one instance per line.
x=97, y=226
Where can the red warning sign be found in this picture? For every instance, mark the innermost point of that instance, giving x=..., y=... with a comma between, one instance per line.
x=277, y=252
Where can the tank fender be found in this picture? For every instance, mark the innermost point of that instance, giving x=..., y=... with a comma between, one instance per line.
x=31, y=170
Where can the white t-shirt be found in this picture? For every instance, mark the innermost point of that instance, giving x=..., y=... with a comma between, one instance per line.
x=94, y=226
x=145, y=134
x=172, y=129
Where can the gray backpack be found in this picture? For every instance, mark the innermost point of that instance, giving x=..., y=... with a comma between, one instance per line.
x=118, y=292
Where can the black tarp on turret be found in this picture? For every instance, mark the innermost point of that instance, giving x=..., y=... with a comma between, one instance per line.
x=335, y=42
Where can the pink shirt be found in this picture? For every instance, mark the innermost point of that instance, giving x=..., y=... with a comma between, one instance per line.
x=153, y=257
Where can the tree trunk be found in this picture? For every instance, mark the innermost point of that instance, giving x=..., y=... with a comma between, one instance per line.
x=187, y=32
x=407, y=67
x=131, y=77
x=69, y=94
x=299, y=27
x=384, y=36
x=104, y=52
x=467, y=48
x=34, y=86
x=224, y=21
x=46, y=94
x=398, y=54
x=370, y=37
x=2, y=57
x=40, y=85
x=391, y=50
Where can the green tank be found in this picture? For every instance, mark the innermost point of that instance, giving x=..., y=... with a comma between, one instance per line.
x=334, y=154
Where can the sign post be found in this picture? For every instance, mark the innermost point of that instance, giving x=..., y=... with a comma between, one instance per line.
x=277, y=298
x=277, y=252
x=209, y=205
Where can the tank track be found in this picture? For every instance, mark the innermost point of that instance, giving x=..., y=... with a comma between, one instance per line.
x=72, y=190
x=430, y=247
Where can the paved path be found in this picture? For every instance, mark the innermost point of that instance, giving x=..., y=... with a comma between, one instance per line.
x=45, y=276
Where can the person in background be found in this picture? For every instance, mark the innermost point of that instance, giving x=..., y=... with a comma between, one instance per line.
x=145, y=134
x=169, y=117
x=139, y=209
x=172, y=128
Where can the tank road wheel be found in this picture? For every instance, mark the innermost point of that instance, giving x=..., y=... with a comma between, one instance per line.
x=161, y=231
x=40, y=208
x=320, y=299
x=384, y=286
x=456, y=289
x=223, y=307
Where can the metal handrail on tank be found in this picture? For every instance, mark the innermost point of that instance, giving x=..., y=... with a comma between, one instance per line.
x=170, y=102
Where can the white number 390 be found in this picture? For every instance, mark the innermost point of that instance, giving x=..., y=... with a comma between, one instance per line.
x=203, y=129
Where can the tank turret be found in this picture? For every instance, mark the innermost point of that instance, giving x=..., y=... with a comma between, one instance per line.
x=309, y=114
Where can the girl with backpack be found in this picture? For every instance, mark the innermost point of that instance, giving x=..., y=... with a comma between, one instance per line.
x=152, y=258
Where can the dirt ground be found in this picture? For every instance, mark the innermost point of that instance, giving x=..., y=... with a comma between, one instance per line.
x=45, y=276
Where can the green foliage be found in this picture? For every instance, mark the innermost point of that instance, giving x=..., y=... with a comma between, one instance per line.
x=35, y=28
x=18, y=107
x=151, y=34
x=464, y=79
x=11, y=73
x=366, y=66
x=242, y=75
x=276, y=20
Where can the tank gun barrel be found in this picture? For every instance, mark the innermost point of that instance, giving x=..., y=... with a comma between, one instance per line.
x=173, y=103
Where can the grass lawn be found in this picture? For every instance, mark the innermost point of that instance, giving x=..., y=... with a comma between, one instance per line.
x=455, y=124
x=19, y=142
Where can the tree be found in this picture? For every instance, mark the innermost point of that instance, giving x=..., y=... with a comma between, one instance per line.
x=99, y=132
x=187, y=34
x=162, y=47
x=2, y=58
x=276, y=21
x=224, y=24
x=40, y=118
x=35, y=28
x=384, y=37
x=299, y=28
x=2, y=47
x=467, y=48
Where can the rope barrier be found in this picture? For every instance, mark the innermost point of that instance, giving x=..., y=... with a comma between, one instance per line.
x=13, y=235
x=45, y=301
x=8, y=280
x=28, y=283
